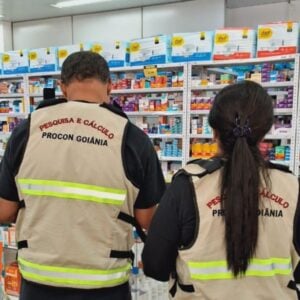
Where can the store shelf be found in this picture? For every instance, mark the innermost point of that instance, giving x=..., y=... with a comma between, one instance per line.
x=13, y=95
x=283, y=111
x=199, y=112
x=42, y=74
x=12, y=76
x=170, y=158
x=11, y=247
x=38, y=95
x=165, y=136
x=277, y=137
x=153, y=113
x=140, y=68
x=281, y=162
x=263, y=84
x=245, y=61
x=201, y=136
x=148, y=91
x=14, y=115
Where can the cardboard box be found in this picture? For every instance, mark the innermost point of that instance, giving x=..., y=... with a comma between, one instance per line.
x=197, y=46
x=12, y=280
x=277, y=39
x=115, y=53
x=64, y=51
x=15, y=62
x=43, y=60
x=150, y=51
x=234, y=43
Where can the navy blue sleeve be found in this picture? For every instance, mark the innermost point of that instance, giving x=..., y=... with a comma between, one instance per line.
x=11, y=161
x=173, y=226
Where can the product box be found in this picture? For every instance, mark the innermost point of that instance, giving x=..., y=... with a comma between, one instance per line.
x=234, y=43
x=150, y=51
x=197, y=46
x=116, y=53
x=277, y=39
x=12, y=279
x=64, y=51
x=15, y=62
x=43, y=60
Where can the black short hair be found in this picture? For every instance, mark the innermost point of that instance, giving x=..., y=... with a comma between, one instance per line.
x=83, y=65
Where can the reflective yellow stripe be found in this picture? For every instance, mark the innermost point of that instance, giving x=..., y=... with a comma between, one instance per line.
x=71, y=190
x=73, y=276
x=212, y=270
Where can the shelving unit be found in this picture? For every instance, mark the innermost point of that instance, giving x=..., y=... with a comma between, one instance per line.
x=293, y=139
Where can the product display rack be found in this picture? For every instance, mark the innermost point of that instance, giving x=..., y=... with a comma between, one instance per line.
x=218, y=67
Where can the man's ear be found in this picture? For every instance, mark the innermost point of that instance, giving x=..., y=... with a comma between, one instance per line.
x=63, y=88
x=109, y=88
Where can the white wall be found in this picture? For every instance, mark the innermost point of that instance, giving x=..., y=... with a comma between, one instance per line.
x=5, y=36
x=123, y=24
x=119, y=25
x=254, y=15
x=183, y=17
x=42, y=33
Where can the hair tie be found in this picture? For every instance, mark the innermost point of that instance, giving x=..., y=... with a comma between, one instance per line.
x=241, y=131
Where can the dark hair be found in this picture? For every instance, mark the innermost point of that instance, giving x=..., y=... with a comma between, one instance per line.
x=242, y=114
x=83, y=65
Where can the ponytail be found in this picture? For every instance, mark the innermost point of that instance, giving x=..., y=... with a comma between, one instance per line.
x=240, y=201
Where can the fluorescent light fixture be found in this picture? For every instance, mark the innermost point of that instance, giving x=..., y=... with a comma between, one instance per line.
x=1, y=16
x=71, y=3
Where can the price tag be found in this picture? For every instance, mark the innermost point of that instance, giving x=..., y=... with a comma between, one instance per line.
x=150, y=71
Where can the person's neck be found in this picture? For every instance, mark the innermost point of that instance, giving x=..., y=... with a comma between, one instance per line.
x=88, y=98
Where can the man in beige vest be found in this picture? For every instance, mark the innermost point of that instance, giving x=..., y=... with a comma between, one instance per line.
x=76, y=177
x=228, y=228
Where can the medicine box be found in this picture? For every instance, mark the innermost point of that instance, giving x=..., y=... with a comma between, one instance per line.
x=65, y=51
x=149, y=51
x=15, y=62
x=234, y=43
x=197, y=46
x=277, y=39
x=116, y=53
x=43, y=60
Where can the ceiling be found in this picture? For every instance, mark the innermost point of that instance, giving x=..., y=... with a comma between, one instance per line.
x=21, y=10
x=244, y=3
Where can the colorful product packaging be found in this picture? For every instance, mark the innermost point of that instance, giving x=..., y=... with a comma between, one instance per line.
x=12, y=281
x=43, y=60
x=15, y=62
x=116, y=53
x=280, y=38
x=150, y=51
x=197, y=46
x=234, y=43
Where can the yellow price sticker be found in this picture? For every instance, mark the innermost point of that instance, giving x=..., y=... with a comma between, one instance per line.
x=265, y=33
x=221, y=38
x=150, y=71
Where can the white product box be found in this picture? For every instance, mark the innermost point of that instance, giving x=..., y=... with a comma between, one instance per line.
x=234, y=43
x=197, y=46
x=150, y=51
x=43, y=60
x=277, y=39
x=64, y=51
x=116, y=53
x=15, y=62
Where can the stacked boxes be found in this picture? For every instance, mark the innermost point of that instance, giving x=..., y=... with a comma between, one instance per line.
x=277, y=39
x=116, y=53
x=196, y=46
x=171, y=149
x=43, y=60
x=150, y=51
x=15, y=62
x=235, y=43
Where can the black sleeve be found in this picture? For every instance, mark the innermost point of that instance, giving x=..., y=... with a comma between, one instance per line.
x=11, y=161
x=143, y=167
x=173, y=226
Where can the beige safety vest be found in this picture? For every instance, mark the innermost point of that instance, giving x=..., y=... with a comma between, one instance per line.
x=74, y=186
x=204, y=264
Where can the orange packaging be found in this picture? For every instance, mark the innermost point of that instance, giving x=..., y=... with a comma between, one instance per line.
x=12, y=280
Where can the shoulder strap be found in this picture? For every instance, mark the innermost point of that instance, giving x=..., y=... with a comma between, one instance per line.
x=206, y=167
x=279, y=167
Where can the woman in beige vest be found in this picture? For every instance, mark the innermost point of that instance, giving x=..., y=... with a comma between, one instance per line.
x=226, y=228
